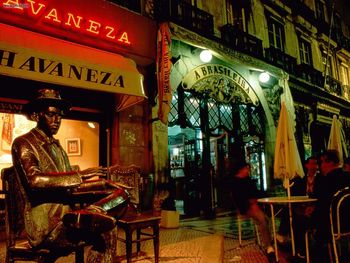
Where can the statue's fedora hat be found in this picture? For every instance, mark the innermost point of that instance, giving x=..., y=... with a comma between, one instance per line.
x=46, y=98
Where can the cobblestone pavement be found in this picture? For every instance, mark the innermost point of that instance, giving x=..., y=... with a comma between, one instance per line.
x=248, y=252
x=196, y=241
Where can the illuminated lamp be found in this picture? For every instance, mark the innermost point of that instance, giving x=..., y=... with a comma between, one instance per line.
x=264, y=77
x=206, y=55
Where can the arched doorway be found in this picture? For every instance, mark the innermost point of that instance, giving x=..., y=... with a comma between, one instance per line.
x=203, y=126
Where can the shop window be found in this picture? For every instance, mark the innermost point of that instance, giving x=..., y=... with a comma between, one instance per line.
x=11, y=126
x=226, y=117
x=257, y=123
x=250, y=121
x=305, y=52
x=192, y=111
x=173, y=114
x=243, y=117
x=72, y=132
x=214, y=114
x=276, y=33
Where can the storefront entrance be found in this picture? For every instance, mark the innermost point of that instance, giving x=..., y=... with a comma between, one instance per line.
x=202, y=132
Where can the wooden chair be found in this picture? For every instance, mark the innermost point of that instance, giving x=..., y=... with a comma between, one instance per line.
x=17, y=246
x=135, y=219
x=340, y=218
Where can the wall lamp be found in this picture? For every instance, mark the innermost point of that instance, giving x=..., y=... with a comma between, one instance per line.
x=264, y=77
x=205, y=55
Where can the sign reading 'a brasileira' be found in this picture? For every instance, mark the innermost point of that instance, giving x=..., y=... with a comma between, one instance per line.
x=221, y=83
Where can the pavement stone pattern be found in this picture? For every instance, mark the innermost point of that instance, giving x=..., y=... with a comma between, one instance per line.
x=195, y=241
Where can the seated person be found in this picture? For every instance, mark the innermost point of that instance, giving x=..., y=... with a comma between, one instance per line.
x=46, y=179
x=245, y=195
x=333, y=180
x=301, y=213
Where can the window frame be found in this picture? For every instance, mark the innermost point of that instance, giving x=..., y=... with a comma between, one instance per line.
x=305, y=51
x=276, y=33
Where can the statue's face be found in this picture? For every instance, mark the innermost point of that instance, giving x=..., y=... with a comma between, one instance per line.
x=50, y=120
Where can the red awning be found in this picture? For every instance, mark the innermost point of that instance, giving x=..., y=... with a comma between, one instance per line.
x=30, y=55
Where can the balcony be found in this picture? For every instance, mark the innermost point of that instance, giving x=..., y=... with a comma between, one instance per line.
x=299, y=8
x=241, y=41
x=186, y=15
x=134, y=5
x=333, y=86
x=280, y=59
x=308, y=73
x=343, y=42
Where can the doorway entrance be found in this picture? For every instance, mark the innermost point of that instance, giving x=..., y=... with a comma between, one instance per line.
x=201, y=133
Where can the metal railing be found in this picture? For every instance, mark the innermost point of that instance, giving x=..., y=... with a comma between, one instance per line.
x=186, y=15
x=279, y=58
x=241, y=41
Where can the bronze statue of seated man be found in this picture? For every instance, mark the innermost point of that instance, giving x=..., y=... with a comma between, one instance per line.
x=49, y=184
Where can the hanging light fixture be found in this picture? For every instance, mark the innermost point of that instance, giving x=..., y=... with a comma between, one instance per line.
x=264, y=77
x=206, y=55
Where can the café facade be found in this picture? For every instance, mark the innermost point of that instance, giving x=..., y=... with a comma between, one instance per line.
x=99, y=58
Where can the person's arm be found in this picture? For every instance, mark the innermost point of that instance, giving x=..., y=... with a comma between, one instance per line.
x=27, y=165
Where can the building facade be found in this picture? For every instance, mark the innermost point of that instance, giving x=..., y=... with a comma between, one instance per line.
x=221, y=107
x=99, y=58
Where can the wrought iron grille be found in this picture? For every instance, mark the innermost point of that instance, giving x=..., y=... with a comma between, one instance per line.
x=174, y=113
x=257, y=123
x=214, y=114
x=226, y=117
x=192, y=111
x=244, y=121
x=220, y=115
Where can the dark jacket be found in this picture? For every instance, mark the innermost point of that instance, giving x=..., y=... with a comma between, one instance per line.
x=324, y=190
x=243, y=190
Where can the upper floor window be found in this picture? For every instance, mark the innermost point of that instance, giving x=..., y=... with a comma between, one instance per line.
x=235, y=13
x=320, y=10
x=344, y=73
x=276, y=33
x=305, y=51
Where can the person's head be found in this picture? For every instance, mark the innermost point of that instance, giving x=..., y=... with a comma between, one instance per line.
x=47, y=109
x=329, y=160
x=311, y=165
x=346, y=165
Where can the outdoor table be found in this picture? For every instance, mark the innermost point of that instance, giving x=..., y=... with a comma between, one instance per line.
x=284, y=200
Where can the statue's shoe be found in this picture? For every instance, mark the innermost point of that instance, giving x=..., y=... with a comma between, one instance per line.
x=89, y=219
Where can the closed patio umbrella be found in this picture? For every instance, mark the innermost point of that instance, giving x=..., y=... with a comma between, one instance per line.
x=287, y=163
x=336, y=139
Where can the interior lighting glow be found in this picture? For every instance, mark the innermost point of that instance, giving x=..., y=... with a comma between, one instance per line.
x=91, y=125
x=264, y=77
x=206, y=55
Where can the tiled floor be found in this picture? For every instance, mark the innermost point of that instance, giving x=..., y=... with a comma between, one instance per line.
x=195, y=241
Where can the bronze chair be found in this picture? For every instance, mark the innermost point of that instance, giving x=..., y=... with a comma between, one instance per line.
x=17, y=246
x=340, y=218
x=135, y=219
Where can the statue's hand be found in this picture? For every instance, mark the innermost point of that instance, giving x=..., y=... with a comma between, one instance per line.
x=115, y=184
x=92, y=172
